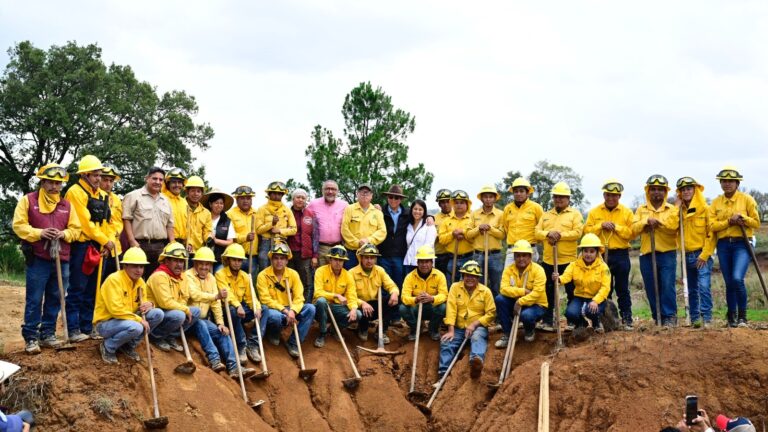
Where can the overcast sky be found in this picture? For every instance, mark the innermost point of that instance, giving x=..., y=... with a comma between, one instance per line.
x=612, y=89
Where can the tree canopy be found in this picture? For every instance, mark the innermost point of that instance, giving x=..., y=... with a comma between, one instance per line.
x=544, y=176
x=371, y=150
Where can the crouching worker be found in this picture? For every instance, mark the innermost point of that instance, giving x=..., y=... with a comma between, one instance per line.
x=592, y=279
x=273, y=283
x=469, y=312
x=424, y=286
x=167, y=290
x=523, y=290
x=241, y=301
x=369, y=280
x=118, y=313
x=335, y=286
x=204, y=294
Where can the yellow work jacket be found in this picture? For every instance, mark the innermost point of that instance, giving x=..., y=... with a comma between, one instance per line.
x=495, y=234
x=168, y=293
x=520, y=222
x=448, y=225
x=118, y=298
x=569, y=223
x=723, y=208
x=285, y=222
x=439, y=219
x=276, y=297
x=696, y=225
x=368, y=285
x=357, y=224
x=238, y=287
x=621, y=216
x=115, y=226
x=327, y=285
x=202, y=294
x=512, y=284
x=241, y=221
x=434, y=285
x=463, y=309
x=666, y=235
x=591, y=281
x=78, y=199
x=25, y=231
x=179, y=208
x=199, y=226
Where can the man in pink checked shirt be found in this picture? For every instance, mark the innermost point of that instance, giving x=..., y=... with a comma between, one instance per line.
x=329, y=211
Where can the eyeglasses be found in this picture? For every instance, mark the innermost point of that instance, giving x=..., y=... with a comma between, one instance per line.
x=729, y=174
x=392, y=197
x=54, y=172
x=657, y=180
x=686, y=181
x=613, y=188
x=243, y=190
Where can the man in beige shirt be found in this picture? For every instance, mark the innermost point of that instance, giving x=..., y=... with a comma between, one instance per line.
x=148, y=218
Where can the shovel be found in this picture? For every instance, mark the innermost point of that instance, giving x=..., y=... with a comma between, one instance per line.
x=413, y=394
x=754, y=260
x=380, y=349
x=485, y=256
x=455, y=256
x=655, y=276
x=427, y=409
x=66, y=346
x=188, y=367
x=264, y=371
x=544, y=398
x=304, y=373
x=254, y=405
x=156, y=422
x=349, y=383
x=556, y=320
x=508, y=355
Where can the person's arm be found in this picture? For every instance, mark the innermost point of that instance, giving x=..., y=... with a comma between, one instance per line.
x=291, y=228
x=350, y=239
x=450, y=309
x=297, y=291
x=605, y=284
x=639, y=222
x=752, y=218
x=380, y=233
x=320, y=290
x=262, y=286
x=72, y=232
x=407, y=294
x=540, y=233
x=78, y=199
x=163, y=297
x=489, y=315
x=537, y=280
x=351, y=293
x=112, y=294
x=442, y=291
x=577, y=226
x=21, y=225
x=568, y=275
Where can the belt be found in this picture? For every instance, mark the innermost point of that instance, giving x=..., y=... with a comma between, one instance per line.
x=490, y=252
x=329, y=244
x=466, y=255
x=151, y=241
x=732, y=239
x=619, y=250
x=444, y=255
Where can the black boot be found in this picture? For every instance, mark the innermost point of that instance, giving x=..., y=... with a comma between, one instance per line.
x=742, y=322
x=732, y=320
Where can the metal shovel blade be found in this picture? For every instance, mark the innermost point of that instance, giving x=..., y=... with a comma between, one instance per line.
x=380, y=351
x=256, y=405
x=186, y=368
x=65, y=347
x=260, y=376
x=494, y=385
x=307, y=374
x=351, y=383
x=156, y=423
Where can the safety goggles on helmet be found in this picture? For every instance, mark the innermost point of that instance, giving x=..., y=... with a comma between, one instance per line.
x=179, y=253
x=368, y=249
x=686, y=181
x=243, y=191
x=460, y=195
x=176, y=173
x=443, y=194
x=277, y=186
x=109, y=171
x=657, y=180
x=471, y=268
x=338, y=252
x=280, y=249
x=729, y=174
x=54, y=172
x=616, y=188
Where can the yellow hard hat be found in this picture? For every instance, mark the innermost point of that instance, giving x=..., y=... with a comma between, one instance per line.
x=368, y=249
x=89, y=163
x=488, y=189
x=135, y=256
x=443, y=194
x=522, y=246
x=561, y=189
x=234, y=251
x=613, y=186
x=244, y=191
x=591, y=240
x=175, y=173
x=338, y=252
x=204, y=254
x=194, y=181
x=280, y=248
x=174, y=250
x=472, y=268
x=425, y=252
x=729, y=172
x=110, y=171
x=276, y=186
x=53, y=171
x=521, y=182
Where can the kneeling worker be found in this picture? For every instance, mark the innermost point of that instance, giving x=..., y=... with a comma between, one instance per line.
x=334, y=285
x=426, y=286
x=369, y=279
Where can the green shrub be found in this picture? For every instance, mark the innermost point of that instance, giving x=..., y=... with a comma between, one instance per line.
x=11, y=259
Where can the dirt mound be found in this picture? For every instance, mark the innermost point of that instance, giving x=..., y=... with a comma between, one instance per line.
x=610, y=383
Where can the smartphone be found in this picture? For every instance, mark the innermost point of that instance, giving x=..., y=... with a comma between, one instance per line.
x=691, y=409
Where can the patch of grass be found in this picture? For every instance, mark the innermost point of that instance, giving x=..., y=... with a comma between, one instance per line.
x=644, y=312
x=15, y=279
x=102, y=405
x=27, y=392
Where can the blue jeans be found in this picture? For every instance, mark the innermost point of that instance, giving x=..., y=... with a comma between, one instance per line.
x=460, y=261
x=577, y=311
x=119, y=332
x=734, y=261
x=252, y=339
x=699, y=293
x=81, y=295
x=620, y=266
x=339, y=312
x=42, y=303
x=170, y=323
x=549, y=313
x=528, y=314
x=478, y=344
x=276, y=321
x=385, y=314
x=435, y=315
x=213, y=342
x=495, y=268
x=666, y=263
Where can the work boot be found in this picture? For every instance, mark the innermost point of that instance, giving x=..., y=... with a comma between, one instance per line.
x=547, y=327
x=218, y=366
x=435, y=335
x=569, y=327
x=274, y=338
x=732, y=323
x=174, y=344
x=108, y=357
x=130, y=352
x=95, y=335
x=475, y=367
x=362, y=334
x=598, y=327
x=320, y=340
x=530, y=335
x=253, y=354
x=628, y=324
x=412, y=335
x=502, y=342
x=247, y=373
x=32, y=347
x=76, y=337
x=161, y=344
x=384, y=338
x=242, y=357
x=293, y=350
x=50, y=342
x=742, y=321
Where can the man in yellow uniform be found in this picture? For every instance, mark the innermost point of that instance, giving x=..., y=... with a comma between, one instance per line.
x=699, y=247
x=662, y=217
x=167, y=290
x=522, y=291
x=469, y=312
x=426, y=286
x=273, y=284
x=370, y=279
x=452, y=233
x=175, y=179
x=334, y=286
x=118, y=314
x=109, y=176
x=243, y=307
x=40, y=218
x=198, y=217
x=245, y=233
x=729, y=213
x=443, y=255
x=488, y=220
x=520, y=218
x=274, y=221
x=92, y=207
x=611, y=221
x=561, y=226
x=362, y=224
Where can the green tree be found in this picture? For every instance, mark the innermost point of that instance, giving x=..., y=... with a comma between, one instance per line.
x=372, y=149
x=762, y=203
x=503, y=188
x=544, y=176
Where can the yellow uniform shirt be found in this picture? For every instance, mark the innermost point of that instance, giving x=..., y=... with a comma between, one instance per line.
x=357, y=224
x=666, y=235
x=569, y=223
x=202, y=294
x=179, y=208
x=241, y=221
x=621, y=217
x=445, y=234
x=168, y=293
x=520, y=222
x=434, y=285
x=591, y=281
x=723, y=208
x=118, y=298
x=495, y=234
x=439, y=219
x=115, y=226
x=78, y=199
x=200, y=225
x=27, y=232
x=463, y=309
x=512, y=285
x=327, y=284
x=238, y=287
x=273, y=292
x=368, y=285
x=696, y=226
x=286, y=223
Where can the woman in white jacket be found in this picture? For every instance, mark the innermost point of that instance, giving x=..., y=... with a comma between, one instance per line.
x=419, y=233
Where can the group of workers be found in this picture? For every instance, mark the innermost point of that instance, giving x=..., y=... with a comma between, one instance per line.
x=173, y=257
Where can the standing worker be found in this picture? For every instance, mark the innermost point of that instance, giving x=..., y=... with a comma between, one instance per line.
x=442, y=253
x=198, y=217
x=329, y=211
x=487, y=224
x=40, y=218
x=453, y=230
x=175, y=179
x=109, y=176
x=274, y=220
x=520, y=218
x=362, y=224
x=241, y=216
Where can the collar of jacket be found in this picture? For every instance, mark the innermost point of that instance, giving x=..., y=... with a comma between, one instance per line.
x=87, y=188
x=584, y=266
x=171, y=196
x=162, y=268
